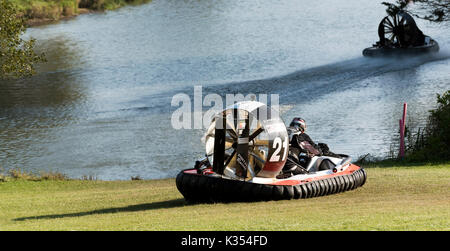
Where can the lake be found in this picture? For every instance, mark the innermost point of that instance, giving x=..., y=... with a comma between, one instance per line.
x=101, y=105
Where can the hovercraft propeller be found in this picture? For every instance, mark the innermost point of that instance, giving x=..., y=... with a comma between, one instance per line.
x=241, y=142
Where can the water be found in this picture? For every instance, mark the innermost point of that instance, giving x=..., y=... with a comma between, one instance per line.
x=101, y=105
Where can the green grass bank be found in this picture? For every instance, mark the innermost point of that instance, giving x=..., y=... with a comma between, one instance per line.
x=43, y=11
x=394, y=198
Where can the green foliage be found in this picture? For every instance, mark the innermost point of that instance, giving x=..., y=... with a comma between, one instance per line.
x=17, y=56
x=108, y=4
x=433, y=142
x=92, y=4
x=43, y=11
x=393, y=9
x=48, y=10
x=431, y=10
x=439, y=126
x=437, y=10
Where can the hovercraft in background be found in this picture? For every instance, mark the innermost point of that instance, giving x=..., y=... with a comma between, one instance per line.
x=399, y=35
x=248, y=143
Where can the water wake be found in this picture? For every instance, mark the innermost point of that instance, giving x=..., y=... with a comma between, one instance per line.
x=298, y=87
x=317, y=81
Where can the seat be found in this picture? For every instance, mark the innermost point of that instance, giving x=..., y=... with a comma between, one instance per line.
x=326, y=164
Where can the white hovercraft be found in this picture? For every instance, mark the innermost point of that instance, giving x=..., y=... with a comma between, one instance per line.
x=248, y=143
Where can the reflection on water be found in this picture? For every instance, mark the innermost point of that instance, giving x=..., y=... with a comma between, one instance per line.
x=101, y=104
x=53, y=86
x=32, y=109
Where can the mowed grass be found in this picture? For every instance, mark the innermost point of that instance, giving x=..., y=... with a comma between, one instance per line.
x=397, y=198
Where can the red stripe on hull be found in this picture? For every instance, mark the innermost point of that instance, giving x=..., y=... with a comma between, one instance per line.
x=352, y=168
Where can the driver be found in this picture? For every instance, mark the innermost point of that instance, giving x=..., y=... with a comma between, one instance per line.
x=300, y=142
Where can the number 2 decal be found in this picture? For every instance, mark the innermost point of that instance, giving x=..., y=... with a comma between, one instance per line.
x=277, y=145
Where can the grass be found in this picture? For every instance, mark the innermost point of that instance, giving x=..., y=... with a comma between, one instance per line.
x=47, y=9
x=43, y=11
x=396, y=198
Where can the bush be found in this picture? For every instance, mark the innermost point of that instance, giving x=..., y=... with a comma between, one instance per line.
x=433, y=142
x=17, y=56
x=92, y=4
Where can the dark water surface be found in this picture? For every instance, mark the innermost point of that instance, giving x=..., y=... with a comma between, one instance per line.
x=102, y=104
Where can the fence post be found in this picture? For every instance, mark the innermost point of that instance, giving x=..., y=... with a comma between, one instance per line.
x=402, y=123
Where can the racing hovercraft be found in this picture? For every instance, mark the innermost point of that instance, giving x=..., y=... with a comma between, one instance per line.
x=399, y=35
x=248, y=144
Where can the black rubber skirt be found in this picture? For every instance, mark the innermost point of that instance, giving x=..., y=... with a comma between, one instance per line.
x=203, y=188
x=383, y=52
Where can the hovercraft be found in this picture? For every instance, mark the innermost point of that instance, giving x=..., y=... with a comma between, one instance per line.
x=248, y=145
x=399, y=35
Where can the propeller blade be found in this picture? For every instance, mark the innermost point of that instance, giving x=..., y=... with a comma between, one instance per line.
x=251, y=167
x=256, y=156
x=256, y=133
x=230, y=158
x=231, y=129
x=229, y=145
x=259, y=142
x=389, y=22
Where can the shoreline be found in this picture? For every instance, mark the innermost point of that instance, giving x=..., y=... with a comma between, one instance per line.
x=37, y=15
x=34, y=22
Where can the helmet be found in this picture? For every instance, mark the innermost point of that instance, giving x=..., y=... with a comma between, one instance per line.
x=298, y=124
